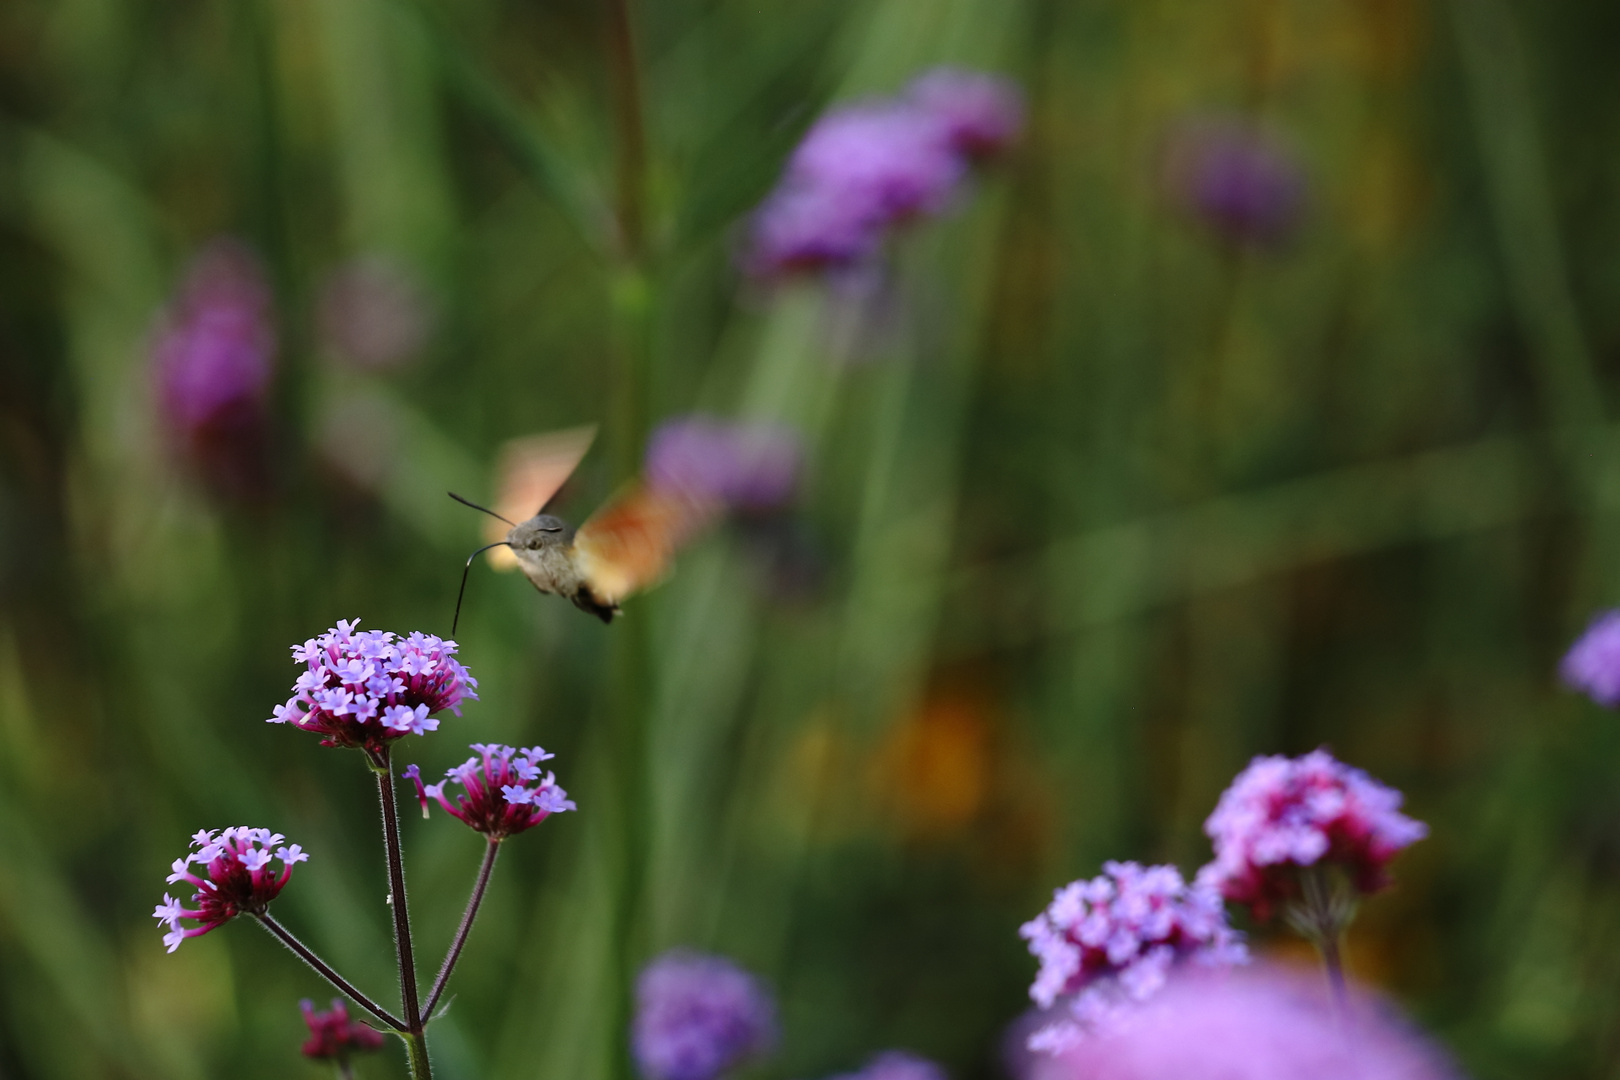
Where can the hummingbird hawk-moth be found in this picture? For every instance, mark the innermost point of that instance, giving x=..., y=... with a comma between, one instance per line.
x=625, y=547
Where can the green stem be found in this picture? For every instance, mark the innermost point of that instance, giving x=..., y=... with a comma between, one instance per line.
x=326, y=971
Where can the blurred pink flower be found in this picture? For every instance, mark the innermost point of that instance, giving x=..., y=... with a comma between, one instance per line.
x=1255, y=1024
x=698, y=1016
x=744, y=464
x=374, y=313
x=211, y=366
x=1284, y=814
x=1241, y=183
x=981, y=114
x=333, y=1036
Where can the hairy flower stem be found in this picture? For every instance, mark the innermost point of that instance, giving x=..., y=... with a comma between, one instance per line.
x=415, y=1041
x=1323, y=921
x=322, y=968
x=491, y=850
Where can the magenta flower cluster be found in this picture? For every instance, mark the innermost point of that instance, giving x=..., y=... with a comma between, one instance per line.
x=697, y=1016
x=503, y=790
x=333, y=1036
x=749, y=465
x=369, y=688
x=1592, y=664
x=211, y=368
x=896, y=1065
x=239, y=878
x=866, y=168
x=1255, y=1024
x=1109, y=943
x=1284, y=814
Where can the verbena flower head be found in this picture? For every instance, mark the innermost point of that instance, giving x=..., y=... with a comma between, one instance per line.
x=333, y=1036
x=236, y=878
x=503, y=790
x=697, y=1016
x=1256, y=1024
x=211, y=366
x=368, y=688
x=1284, y=814
x=866, y=168
x=896, y=1065
x=981, y=114
x=1592, y=664
x=1238, y=181
x=741, y=464
x=1109, y=943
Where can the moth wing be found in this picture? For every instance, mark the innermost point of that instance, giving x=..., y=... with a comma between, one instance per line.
x=629, y=544
x=528, y=472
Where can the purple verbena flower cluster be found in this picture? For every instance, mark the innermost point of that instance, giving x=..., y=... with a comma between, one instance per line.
x=698, y=1015
x=1110, y=942
x=1283, y=814
x=211, y=367
x=333, y=1036
x=498, y=799
x=369, y=688
x=239, y=879
x=743, y=464
x=896, y=1065
x=865, y=168
x=1257, y=1024
x=1238, y=181
x=1592, y=664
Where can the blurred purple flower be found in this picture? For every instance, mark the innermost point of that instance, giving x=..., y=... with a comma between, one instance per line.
x=1592, y=664
x=374, y=313
x=1284, y=814
x=1238, y=181
x=981, y=114
x=865, y=168
x=1108, y=944
x=744, y=464
x=1257, y=1024
x=497, y=799
x=369, y=688
x=333, y=1036
x=239, y=879
x=896, y=1065
x=697, y=1016
x=211, y=366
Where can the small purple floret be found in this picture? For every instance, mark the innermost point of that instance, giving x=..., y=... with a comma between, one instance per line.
x=697, y=1016
x=981, y=114
x=1592, y=664
x=1108, y=944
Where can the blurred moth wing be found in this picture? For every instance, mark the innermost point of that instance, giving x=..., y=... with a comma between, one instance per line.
x=528, y=472
x=629, y=544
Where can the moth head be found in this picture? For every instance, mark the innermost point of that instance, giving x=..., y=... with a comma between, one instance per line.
x=540, y=531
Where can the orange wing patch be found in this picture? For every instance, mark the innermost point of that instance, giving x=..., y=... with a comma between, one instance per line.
x=628, y=544
x=528, y=472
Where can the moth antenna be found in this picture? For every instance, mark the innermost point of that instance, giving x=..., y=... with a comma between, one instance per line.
x=485, y=509
x=456, y=621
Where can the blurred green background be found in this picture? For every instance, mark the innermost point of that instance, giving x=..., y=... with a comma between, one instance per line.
x=1097, y=510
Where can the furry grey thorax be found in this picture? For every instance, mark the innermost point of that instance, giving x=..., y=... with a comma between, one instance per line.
x=544, y=546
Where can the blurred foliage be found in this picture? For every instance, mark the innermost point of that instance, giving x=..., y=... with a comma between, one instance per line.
x=1099, y=507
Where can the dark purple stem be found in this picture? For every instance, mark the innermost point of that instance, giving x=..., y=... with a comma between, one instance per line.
x=490, y=851
x=322, y=968
x=384, y=769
